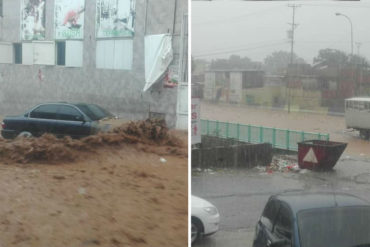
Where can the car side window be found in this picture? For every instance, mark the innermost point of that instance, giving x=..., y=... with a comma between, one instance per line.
x=284, y=224
x=45, y=112
x=269, y=213
x=69, y=113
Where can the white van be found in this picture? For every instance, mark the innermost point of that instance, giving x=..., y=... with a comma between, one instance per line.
x=357, y=114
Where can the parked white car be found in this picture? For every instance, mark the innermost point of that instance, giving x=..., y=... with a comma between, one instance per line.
x=205, y=218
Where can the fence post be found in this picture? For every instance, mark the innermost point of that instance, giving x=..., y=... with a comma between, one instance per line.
x=287, y=139
x=249, y=133
x=319, y=136
x=273, y=137
x=227, y=130
x=238, y=131
x=217, y=130
x=207, y=127
x=261, y=134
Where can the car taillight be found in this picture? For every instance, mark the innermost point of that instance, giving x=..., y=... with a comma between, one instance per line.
x=3, y=125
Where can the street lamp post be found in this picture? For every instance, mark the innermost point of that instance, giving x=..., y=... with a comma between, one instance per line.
x=350, y=22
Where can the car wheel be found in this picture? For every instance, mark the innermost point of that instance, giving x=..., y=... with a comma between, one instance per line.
x=194, y=232
x=196, y=229
x=25, y=134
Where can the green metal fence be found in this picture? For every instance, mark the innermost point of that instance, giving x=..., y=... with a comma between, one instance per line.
x=279, y=138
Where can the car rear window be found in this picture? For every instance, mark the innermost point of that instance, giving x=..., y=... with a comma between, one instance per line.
x=334, y=227
x=94, y=112
x=48, y=111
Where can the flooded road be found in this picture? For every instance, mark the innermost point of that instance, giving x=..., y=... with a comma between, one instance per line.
x=309, y=122
x=240, y=195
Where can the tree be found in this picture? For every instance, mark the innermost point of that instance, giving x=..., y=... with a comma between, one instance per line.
x=332, y=57
x=278, y=61
x=359, y=60
x=235, y=62
x=337, y=58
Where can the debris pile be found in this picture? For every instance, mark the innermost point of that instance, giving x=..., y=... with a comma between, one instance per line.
x=51, y=149
x=281, y=164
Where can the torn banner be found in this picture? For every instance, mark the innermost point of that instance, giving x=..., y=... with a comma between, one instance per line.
x=158, y=56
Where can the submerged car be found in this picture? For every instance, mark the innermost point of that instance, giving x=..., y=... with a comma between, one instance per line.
x=205, y=218
x=75, y=120
x=314, y=220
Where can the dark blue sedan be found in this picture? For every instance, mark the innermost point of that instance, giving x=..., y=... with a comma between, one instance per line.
x=60, y=119
x=297, y=219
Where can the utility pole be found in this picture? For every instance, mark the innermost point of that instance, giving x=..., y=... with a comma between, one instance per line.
x=359, y=70
x=293, y=26
x=358, y=44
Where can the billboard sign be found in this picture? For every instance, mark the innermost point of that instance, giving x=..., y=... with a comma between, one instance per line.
x=32, y=19
x=69, y=19
x=115, y=18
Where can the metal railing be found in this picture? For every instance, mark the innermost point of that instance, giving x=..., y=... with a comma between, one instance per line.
x=279, y=138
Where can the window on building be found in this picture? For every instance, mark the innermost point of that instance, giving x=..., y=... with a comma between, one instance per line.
x=61, y=52
x=69, y=53
x=17, y=53
x=38, y=52
x=114, y=54
x=6, y=52
x=27, y=53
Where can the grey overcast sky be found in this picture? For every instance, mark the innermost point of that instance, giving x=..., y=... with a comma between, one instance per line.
x=257, y=28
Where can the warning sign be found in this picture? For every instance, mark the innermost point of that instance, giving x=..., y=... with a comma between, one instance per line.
x=310, y=156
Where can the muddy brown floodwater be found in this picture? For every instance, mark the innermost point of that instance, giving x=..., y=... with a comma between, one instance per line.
x=333, y=125
x=126, y=188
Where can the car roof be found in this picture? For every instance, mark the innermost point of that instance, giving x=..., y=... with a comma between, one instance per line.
x=310, y=200
x=66, y=103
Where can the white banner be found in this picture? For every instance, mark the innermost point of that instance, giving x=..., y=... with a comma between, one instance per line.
x=69, y=19
x=158, y=56
x=115, y=18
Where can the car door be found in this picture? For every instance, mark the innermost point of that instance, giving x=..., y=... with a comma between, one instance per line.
x=265, y=225
x=72, y=122
x=42, y=119
x=283, y=226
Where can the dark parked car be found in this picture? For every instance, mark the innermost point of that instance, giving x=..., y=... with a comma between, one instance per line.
x=75, y=120
x=314, y=220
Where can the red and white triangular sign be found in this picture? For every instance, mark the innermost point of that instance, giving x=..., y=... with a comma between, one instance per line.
x=310, y=156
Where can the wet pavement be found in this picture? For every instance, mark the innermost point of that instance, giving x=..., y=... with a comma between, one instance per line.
x=240, y=195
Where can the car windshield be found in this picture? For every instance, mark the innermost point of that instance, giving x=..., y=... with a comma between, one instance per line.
x=335, y=227
x=94, y=112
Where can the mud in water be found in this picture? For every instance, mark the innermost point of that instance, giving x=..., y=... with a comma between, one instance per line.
x=50, y=149
x=333, y=125
x=123, y=188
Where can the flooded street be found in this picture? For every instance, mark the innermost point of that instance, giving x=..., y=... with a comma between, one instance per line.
x=123, y=188
x=333, y=125
x=240, y=195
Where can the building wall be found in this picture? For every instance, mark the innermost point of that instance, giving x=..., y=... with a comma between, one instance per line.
x=120, y=91
x=210, y=86
x=235, y=87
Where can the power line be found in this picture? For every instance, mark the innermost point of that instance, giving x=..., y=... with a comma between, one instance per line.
x=238, y=50
x=227, y=49
x=236, y=17
x=334, y=5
